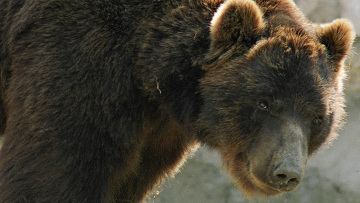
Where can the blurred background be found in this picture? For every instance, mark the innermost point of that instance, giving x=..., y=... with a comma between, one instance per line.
x=332, y=174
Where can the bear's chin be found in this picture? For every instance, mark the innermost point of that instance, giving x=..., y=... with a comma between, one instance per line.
x=260, y=189
x=266, y=190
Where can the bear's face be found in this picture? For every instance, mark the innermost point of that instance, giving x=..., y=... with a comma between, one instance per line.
x=270, y=102
x=270, y=109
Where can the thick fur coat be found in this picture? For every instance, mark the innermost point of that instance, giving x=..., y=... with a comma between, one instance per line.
x=103, y=99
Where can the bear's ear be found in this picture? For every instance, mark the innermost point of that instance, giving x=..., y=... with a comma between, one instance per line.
x=337, y=37
x=235, y=21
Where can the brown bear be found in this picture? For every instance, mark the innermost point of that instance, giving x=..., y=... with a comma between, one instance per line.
x=103, y=99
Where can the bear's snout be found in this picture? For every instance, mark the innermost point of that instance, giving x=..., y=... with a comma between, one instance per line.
x=286, y=177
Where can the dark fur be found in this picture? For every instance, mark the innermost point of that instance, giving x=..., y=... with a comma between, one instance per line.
x=101, y=100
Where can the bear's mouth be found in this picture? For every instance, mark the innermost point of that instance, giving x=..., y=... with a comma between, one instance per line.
x=269, y=187
x=250, y=182
x=265, y=188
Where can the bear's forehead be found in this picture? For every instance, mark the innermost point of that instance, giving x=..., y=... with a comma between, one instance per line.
x=286, y=54
x=287, y=43
x=287, y=67
x=287, y=78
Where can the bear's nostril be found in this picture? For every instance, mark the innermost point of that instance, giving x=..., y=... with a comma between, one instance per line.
x=293, y=180
x=286, y=178
x=281, y=176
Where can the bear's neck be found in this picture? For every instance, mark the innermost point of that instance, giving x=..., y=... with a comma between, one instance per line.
x=170, y=49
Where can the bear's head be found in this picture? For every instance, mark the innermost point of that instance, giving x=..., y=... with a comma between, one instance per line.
x=272, y=93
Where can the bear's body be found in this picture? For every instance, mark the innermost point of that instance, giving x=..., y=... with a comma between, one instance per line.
x=101, y=100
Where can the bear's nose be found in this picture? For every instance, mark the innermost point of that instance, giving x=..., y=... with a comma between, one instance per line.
x=286, y=177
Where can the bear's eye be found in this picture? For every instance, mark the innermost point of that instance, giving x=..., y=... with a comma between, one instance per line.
x=263, y=105
x=318, y=120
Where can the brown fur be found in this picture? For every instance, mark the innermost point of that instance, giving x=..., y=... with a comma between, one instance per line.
x=337, y=37
x=145, y=172
x=286, y=28
x=103, y=100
